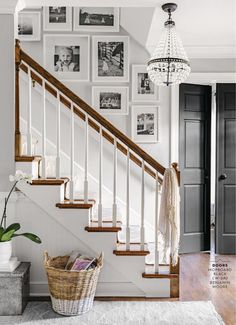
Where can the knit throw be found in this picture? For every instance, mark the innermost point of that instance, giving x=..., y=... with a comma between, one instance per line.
x=169, y=218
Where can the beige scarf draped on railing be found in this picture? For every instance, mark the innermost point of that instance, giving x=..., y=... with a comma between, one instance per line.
x=169, y=218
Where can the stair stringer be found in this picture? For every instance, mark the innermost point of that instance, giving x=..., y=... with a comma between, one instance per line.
x=75, y=221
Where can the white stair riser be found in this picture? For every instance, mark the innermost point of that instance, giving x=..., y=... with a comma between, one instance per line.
x=28, y=168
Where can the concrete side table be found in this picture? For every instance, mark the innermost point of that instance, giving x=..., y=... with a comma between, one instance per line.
x=14, y=290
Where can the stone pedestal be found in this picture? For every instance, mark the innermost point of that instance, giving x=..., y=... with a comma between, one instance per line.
x=14, y=290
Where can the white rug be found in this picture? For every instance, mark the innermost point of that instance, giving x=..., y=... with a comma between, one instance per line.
x=123, y=313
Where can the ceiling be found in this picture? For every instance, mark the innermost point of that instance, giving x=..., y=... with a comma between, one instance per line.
x=207, y=27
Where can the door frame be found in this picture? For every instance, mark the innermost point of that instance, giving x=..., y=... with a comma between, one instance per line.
x=210, y=79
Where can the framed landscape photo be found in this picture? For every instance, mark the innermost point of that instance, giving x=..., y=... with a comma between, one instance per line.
x=111, y=100
x=57, y=19
x=143, y=89
x=145, y=126
x=29, y=26
x=96, y=19
x=67, y=56
x=110, y=58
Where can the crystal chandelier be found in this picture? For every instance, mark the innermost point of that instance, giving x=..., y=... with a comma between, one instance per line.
x=169, y=64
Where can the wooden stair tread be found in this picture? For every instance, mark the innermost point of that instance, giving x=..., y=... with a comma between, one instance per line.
x=49, y=181
x=74, y=205
x=159, y=275
x=106, y=227
x=134, y=250
x=164, y=272
x=28, y=158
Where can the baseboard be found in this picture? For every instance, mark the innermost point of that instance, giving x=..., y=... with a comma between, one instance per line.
x=104, y=289
x=110, y=298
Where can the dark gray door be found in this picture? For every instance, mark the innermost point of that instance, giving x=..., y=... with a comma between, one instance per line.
x=226, y=170
x=194, y=137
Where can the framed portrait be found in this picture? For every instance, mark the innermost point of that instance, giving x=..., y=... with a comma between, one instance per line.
x=110, y=58
x=67, y=56
x=29, y=26
x=111, y=100
x=96, y=19
x=145, y=126
x=57, y=19
x=143, y=89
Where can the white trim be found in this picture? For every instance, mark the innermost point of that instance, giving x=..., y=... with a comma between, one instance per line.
x=211, y=52
x=204, y=78
x=209, y=78
x=204, y=52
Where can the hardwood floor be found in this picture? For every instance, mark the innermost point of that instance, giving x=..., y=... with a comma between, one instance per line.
x=195, y=278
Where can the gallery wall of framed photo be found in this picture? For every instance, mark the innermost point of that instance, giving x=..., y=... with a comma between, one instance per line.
x=87, y=48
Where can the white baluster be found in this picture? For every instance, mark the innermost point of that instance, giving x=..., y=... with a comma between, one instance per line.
x=128, y=202
x=72, y=152
x=100, y=179
x=114, y=207
x=156, y=255
x=58, y=158
x=142, y=229
x=29, y=135
x=44, y=132
x=86, y=161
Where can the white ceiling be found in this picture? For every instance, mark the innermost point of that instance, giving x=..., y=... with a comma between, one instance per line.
x=207, y=27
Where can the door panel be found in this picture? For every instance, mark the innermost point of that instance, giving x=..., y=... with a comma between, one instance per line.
x=195, y=113
x=226, y=170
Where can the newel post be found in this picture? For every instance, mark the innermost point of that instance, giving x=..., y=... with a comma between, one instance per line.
x=18, y=142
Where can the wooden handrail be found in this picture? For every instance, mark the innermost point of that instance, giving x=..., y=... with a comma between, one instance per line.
x=91, y=112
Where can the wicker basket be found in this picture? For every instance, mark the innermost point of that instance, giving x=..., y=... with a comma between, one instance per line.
x=72, y=292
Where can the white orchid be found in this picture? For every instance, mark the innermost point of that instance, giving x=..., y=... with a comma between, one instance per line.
x=19, y=176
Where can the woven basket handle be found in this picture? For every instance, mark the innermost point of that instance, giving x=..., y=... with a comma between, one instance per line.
x=100, y=259
x=46, y=258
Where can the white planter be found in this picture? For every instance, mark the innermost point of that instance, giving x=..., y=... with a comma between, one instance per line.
x=5, y=251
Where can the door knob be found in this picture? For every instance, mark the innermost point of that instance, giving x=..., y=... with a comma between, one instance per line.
x=222, y=177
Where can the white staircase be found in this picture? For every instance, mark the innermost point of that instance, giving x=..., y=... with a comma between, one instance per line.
x=95, y=225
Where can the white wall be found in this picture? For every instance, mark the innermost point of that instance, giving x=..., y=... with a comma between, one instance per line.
x=7, y=101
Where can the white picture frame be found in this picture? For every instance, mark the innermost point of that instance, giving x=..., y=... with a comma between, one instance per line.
x=29, y=26
x=145, y=124
x=143, y=89
x=117, y=98
x=57, y=19
x=96, y=19
x=110, y=55
x=67, y=56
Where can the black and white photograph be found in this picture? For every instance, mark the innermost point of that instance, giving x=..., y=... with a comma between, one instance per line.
x=110, y=60
x=96, y=19
x=111, y=100
x=143, y=89
x=29, y=26
x=145, y=124
x=145, y=85
x=67, y=56
x=57, y=15
x=25, y=26
x=57, y=18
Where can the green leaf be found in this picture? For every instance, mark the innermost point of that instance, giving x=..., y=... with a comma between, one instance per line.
x=13, y=226
x=7, y=235
x=1, y=232
x=30, y=236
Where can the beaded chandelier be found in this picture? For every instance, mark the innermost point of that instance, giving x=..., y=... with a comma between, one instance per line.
x=169, y=64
